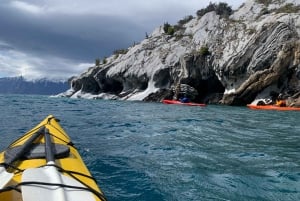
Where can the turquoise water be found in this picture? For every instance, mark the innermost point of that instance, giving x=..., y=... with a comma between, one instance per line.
x=152, y=151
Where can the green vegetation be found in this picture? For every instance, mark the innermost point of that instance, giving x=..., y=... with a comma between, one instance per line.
x=97, y=62
x=288, y=8
x=185, y=20
x=221, y=9
x=204, y=51
x=169, y=29
x=264, y=2
x=120, y=51
x=166, y=27
x=104, y=60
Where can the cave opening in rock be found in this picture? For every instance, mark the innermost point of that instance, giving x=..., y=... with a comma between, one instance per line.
x=162, y=78
x=143, y=85
x=209, y=91
x=112, y=86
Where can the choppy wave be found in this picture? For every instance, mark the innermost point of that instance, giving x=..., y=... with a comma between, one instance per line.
x=151, y=151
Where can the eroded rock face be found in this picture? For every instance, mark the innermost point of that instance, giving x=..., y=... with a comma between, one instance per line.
x=226, y=60
x=271, y=61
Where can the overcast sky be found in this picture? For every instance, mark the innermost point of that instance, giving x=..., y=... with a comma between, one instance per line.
x=61, y=38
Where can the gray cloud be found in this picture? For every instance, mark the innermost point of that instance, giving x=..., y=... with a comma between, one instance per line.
x=64, y=37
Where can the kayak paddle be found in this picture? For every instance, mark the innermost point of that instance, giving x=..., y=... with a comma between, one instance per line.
x=48, y=184
x=5, y=176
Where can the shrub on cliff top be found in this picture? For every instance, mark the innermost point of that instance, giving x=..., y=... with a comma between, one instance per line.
x=221, y=9
x=120, y=51
x=104, y=61
x=185, y=20
x=168, y=29
x=97, y=62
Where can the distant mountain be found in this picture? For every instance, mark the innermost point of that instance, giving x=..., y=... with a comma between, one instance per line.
x=18, y=85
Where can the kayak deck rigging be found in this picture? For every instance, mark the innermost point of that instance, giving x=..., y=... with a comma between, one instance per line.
x=71, y=173
x=28, y=156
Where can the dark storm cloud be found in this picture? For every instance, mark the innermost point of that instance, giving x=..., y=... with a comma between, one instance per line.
x=73, y=37
x=65, y=37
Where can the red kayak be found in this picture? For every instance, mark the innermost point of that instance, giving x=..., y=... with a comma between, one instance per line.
x=272, y=107
x=181, y=103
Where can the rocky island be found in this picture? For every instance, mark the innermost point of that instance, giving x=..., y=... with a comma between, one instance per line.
x=222, y=56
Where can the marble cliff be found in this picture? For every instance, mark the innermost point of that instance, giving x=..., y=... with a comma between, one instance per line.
x=232, y=58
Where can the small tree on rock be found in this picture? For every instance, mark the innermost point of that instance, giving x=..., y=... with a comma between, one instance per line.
x=97, y=62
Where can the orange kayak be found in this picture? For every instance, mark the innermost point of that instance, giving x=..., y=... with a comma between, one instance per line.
x=272, y=107
x=181, y=103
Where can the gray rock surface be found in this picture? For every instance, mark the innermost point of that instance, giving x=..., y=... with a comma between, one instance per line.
x=230, y=60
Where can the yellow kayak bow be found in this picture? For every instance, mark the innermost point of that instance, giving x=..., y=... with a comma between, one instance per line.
x=44, y=164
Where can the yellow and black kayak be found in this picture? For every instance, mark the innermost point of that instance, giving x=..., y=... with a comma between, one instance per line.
x=44, y=165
